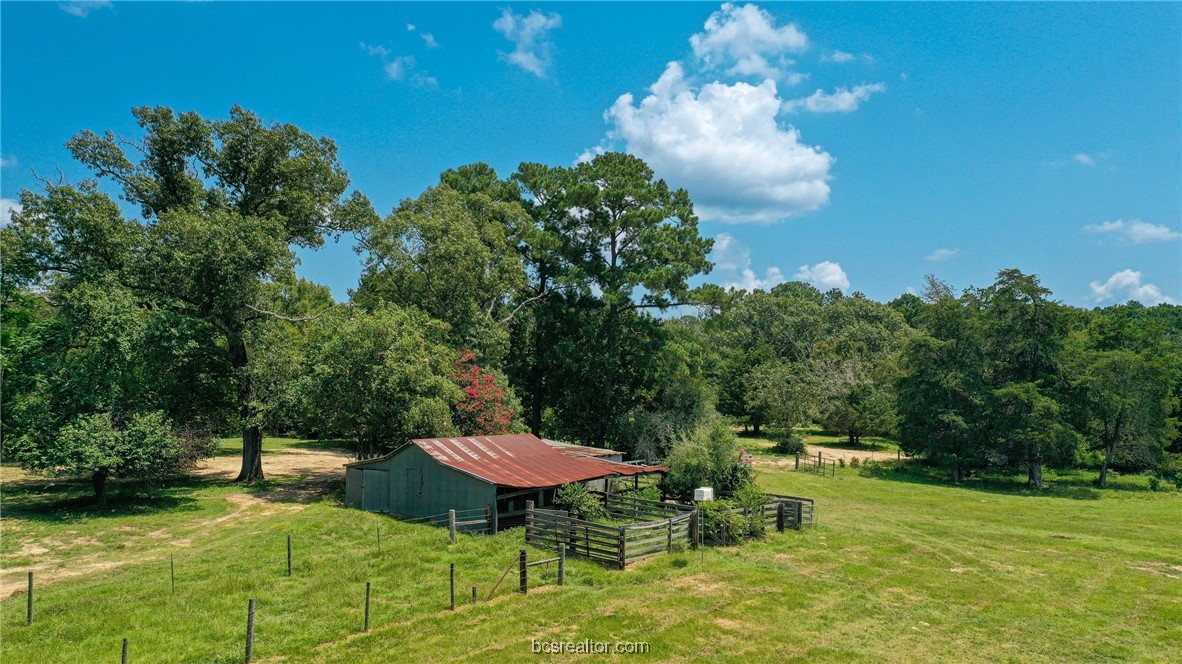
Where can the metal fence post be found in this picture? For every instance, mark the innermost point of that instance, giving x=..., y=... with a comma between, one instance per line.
x=451, y=525
x=289, y=555
x=453, y=586
x=367, y=606
x=30, y=598
x=249, y=630
x=124, y=659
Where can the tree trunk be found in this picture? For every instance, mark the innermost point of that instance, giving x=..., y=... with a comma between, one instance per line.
x=1034, y=474
x=100, y=487
x=252, y=432
x=1103, y=481
x=1110, y=447
x=957, y=473
x=537, y=393
x=755, y=427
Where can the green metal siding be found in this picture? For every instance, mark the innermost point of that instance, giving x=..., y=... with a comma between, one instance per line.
x=418, y=485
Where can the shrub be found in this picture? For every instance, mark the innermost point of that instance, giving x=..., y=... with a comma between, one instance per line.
x=1154, y=483
x=854, y=463
x=789, y=444
x=841, y=462
x=709, y=457
x=575, y=499
x=719, y=522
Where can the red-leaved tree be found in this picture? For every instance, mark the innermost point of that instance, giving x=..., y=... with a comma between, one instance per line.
x=486, y=408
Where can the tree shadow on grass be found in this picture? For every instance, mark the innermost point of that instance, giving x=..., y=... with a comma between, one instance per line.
x=57, y=500
x=1073, y=485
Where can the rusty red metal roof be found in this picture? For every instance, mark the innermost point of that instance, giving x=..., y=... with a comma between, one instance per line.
x=521, y=461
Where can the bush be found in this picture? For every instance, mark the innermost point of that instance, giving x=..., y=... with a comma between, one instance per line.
x=854, y=463
x=1154, y=483
x=720, y=523
x=750, y=496
x=841, y=462
x=709, y=457
x=575, y=499
x=789, y=444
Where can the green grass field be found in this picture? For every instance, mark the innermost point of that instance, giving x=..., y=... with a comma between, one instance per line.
x=901, y=568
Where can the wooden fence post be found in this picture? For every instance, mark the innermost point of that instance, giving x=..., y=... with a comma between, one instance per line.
x=561, y=564
x=833, y=465
x=489, y=520
x=289, y=555
x=124, y=659
x=797, y=461
x=495, y=525
x=669, y=540
x=780, y=517
x=249, y=630
x=693, y=528
x=453, y=586
x=367, y=606
x=820, y=463
x=451, y=527
x=798, y=514
x=523, y=571
x=30, y=598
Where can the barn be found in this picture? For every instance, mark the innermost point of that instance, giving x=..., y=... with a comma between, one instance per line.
x=429, y=476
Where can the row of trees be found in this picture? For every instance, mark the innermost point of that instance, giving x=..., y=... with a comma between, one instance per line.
x=492, y=304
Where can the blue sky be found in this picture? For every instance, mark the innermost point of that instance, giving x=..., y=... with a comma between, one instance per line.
x=856, y=145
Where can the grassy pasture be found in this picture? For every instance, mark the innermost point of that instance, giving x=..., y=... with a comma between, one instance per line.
x=902, y=568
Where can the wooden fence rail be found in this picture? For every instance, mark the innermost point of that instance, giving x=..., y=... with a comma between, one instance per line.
x=613, y=545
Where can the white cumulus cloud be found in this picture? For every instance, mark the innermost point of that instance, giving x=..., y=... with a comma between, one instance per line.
x=732, y=266
x=530, y=35
x=7, y=207
x=1136, y=231
x=841, y=100
x=1126, y=285
x=941, y=255
x=82, y=8
x=744, y=41
x=430, y=39
x=723, y=144
x=825, y=275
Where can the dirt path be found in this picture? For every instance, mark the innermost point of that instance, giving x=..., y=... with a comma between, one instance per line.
x=829, y=454
x=301, y=475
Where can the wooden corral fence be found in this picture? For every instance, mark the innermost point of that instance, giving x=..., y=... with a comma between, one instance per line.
x=785, y=512
x=630, y=507
x=612, y=545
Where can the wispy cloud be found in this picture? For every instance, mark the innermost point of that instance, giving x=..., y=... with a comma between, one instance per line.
x=1127, y=285
x=837, y=56
x=1085, y=159
x=430, y=39
x=530, y=34
x=841, y=100
x=83, y=8
x=1136, y=231
x=401, y=68
x=9, y=162
x=941, y=255
x=732, y=266
x=825, y=275
x=7, y=207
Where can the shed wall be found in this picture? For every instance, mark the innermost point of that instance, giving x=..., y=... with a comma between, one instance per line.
x=416, y=485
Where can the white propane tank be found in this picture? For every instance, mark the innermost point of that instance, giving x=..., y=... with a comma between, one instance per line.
x=703, y=494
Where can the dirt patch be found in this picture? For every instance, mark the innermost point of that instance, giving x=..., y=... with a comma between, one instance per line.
x=1162, y=569
x=701, y=584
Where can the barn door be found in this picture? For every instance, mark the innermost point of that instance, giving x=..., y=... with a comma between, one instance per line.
x=375, y=490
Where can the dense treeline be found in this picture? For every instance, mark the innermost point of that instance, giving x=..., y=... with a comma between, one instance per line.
x=135, y=331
